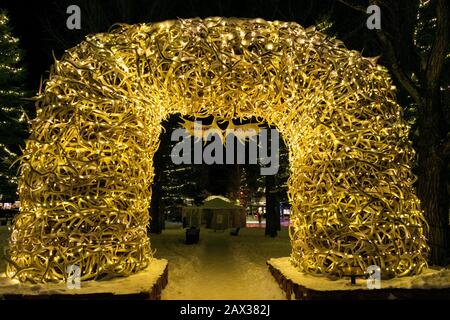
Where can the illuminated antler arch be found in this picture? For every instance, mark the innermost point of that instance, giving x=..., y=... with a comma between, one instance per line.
x=87, y=168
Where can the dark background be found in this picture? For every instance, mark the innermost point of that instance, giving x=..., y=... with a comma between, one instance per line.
x=41, y=25
x=413, y=44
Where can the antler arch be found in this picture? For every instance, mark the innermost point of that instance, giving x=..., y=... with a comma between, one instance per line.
x=87, y=168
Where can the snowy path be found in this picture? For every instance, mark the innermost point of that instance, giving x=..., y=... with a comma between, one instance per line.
x=220, y=266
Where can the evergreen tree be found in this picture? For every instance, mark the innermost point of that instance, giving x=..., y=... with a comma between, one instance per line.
x=12, y=117
x=273, y=187
x=173, y=184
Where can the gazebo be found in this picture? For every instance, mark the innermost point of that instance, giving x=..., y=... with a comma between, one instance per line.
x=217, y=213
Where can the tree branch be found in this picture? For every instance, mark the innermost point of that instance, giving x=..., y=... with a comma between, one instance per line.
x=445, y=147
x=353, y=6
x=438, y=51
x=391, y=57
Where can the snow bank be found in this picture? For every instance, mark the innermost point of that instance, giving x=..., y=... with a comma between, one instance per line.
x=142, y=282
x=428, y=279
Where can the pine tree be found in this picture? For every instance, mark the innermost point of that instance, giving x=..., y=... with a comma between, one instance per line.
x=12, y=117
x=173, y=184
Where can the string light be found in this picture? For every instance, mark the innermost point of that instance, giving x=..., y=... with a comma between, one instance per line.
x=87, y=168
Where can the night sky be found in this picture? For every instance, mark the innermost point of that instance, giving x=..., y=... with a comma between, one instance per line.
x=41, y=25
x=363, y=180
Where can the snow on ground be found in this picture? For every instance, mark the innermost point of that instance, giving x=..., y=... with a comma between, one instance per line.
x=228, y=267
x=220, y=266
x=428, y=279
x=137, y=283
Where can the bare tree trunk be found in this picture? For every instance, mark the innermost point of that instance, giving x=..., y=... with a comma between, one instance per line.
x=272, y=208
x=156, y=206
x=156, y=210
x=432, y=190
x=432, y=183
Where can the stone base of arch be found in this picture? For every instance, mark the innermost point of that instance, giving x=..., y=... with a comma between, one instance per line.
x=147, y=284
x=300, y=286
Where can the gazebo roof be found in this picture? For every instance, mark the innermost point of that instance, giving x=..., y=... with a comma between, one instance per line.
x=219, y=203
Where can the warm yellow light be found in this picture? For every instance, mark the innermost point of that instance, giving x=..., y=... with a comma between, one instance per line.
x=87, y=168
